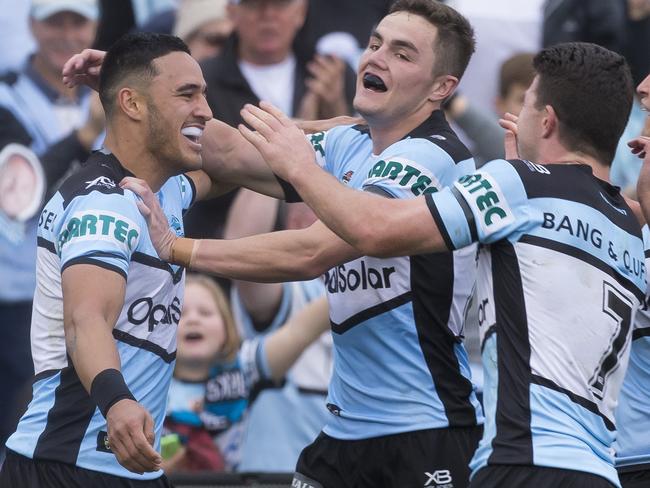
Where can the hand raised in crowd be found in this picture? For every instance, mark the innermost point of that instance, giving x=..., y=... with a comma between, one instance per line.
x=278, y=139
x=509, y=123
x=83, y=69
x=131, y=437
x=161, y=234
x=326, y=86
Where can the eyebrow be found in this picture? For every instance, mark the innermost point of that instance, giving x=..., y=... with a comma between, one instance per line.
x=397, y=42
x=191, y=87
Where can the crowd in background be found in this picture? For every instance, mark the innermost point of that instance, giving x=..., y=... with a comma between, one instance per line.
x=301, y=55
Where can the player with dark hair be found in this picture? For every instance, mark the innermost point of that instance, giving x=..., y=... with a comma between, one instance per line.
x=404, y=410
x=561, y=269
x=106, y=308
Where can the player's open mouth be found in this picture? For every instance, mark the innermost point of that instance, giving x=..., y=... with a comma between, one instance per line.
x=192, y=133
x=374, y=83
x=193, y=337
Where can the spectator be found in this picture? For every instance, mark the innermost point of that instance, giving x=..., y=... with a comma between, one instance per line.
x=515, y=76
x=600, y=22
x=258, y=63
x=274, y=440
x=204, y=25
x=16, y=40
x=209, y=357
x=38, y=111
x=339, y=27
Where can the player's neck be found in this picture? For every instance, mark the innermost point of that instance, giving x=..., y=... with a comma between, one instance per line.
x=132, y=154
x=562, y=155
x=387, y=132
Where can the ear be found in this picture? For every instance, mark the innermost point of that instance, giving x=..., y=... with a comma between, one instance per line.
x=443, y=86
x=131, y=103
x=550, y=122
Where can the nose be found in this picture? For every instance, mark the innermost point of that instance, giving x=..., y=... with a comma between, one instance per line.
x=202, y=109
x=644, y=87
x=378, y=57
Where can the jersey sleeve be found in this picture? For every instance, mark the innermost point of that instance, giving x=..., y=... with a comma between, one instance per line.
x=100, y=229
x=486, y=206
x=410, y=168
x=188, y=191
x=253, y=362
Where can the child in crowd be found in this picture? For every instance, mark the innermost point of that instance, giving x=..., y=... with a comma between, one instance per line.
x=215, y=373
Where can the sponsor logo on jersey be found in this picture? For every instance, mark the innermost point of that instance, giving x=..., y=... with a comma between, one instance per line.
x=482, y=192
x=342, y=278
x=228, y=385
x=103, y=181
x=347, y=177
x=404, y=173
x=440, y=478
x=316, y=140
x=144, y=310
x=100, y=225
x=438, y=137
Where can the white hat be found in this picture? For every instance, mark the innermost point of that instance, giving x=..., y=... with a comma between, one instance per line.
x=42, y=9
x=192, y=14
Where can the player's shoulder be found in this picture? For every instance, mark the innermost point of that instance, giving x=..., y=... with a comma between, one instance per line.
x=436, y=135
x=100, y=175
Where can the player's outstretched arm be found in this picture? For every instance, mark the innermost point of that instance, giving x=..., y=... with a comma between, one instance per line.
x=92, y=300
x=274, y=257
x=285, y=345
x=374, y=225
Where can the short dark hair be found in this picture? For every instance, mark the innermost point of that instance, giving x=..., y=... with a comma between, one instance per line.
x=132, y=56
x=455, y=42
x=516, y=70
x=590, y=88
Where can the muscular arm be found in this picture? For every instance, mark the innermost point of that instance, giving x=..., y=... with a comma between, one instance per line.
x=284, y=346
x=93, y=298
x=251, y=214
x=289, y=255
x=374, y=225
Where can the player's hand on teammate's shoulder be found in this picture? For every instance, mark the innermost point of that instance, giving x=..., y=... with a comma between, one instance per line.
x=162, y=236
x=83, y=69
x=509, y=123
x=279, y=140
x=131, y=437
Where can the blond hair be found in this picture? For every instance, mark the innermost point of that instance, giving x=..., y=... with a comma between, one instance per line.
x=231, y=345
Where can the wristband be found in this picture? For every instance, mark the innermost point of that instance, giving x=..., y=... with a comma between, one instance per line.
x=108, y=388
x=182, y=250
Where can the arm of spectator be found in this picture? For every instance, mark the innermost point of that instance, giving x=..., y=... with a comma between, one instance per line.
x=93, y=299
x=481, y=127
x=250, y=214
x=285, y=345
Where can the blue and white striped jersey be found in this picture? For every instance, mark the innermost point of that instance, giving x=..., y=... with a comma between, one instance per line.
x=399, y=361
x=561, y=275
x=91, y=220
x=633, y=411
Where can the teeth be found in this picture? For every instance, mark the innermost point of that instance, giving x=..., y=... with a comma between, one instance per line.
x=192, y=132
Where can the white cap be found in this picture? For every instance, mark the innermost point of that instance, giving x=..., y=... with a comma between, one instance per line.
x=42, y=9
x=192, y=14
